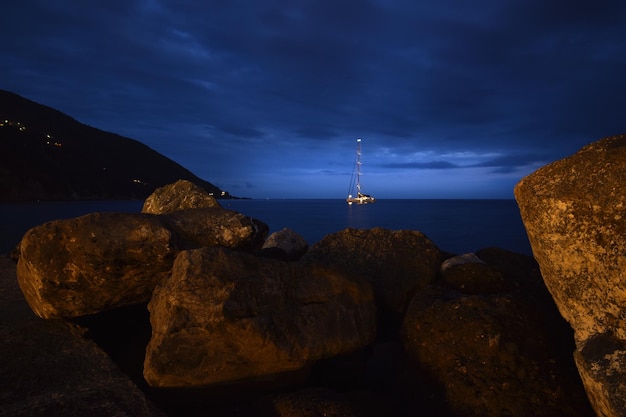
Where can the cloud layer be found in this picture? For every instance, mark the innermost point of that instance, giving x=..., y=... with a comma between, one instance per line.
x=265, y=99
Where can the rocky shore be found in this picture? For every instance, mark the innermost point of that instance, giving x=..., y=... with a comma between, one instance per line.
x=188, y=309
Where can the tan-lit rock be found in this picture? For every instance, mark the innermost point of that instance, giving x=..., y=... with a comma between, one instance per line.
x=181, y=195
x=72, y=267
x=574, y=211
x=201, y=227
x=226, y=316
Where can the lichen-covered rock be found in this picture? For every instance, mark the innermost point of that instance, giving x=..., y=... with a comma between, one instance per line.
x=72, y=267
x=285, y=244
x=181, y=195
x=397, y=263
x=226, y=316
x=574, y=211
x=201, y=227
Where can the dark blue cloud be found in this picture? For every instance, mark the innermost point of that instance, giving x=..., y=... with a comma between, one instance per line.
x=266, y=96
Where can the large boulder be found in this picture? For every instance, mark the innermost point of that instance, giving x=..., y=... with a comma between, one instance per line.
x=574, y=213
x=180, y=195
x=396, y=263
x=72, y=267
x=99, y=261
x=491, y=347
x=201, y=227
x=226, y=316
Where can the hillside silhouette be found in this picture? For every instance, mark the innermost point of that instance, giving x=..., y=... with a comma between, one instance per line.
x=47, y=155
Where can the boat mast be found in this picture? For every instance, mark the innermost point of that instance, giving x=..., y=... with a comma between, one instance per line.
x=358, y=167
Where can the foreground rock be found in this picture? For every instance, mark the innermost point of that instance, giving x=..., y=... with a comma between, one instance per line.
x=396, y=263
x=226, y=316
x=574, y=213
x=47, y=367
x=68, y=268
x=99, y=261
x=488, y=347
x=180, y=195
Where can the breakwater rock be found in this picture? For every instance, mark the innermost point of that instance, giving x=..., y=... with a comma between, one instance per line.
x=363, y=323
x=574, y=211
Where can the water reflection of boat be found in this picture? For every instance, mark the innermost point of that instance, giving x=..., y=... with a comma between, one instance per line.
x=355, y=182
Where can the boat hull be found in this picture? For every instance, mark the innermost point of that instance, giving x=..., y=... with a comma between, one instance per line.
x=360, y=200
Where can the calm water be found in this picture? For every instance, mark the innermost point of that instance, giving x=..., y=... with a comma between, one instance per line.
x=457, y=226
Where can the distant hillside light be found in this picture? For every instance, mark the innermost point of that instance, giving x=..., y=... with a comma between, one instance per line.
x=80, y=174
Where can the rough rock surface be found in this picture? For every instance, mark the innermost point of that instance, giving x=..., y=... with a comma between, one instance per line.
x=227, y=316
x=323, y=402
x=312, y=403
x=574, y=211
x=72, y=267
x=397, y=263
x=180, y=195
x=470, y=274
x=492, y=353
x=47, y=367
x=201, y=227
x=285, y=244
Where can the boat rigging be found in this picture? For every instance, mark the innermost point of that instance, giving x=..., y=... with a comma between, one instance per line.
x=355, y=182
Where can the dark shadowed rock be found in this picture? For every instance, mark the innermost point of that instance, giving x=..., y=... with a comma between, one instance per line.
x=285, y=245
x=226, y=316
x=489, y=355
x=314, y=403
x=574, y=213
x=397, y=263
x=463, y=259
x=181, y=195
x=48, y=368
x=202, y=227
x=469, y=274
x=68, y=268
x=320, y=402
x=602, y=363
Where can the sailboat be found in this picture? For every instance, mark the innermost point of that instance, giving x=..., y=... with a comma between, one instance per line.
x=355, y=182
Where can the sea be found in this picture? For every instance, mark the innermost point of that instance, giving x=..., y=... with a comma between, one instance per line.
x=455, y=226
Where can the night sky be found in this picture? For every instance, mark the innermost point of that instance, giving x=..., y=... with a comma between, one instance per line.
x=265, y=99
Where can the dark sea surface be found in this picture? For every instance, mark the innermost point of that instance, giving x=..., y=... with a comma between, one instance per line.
x=456, y=226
